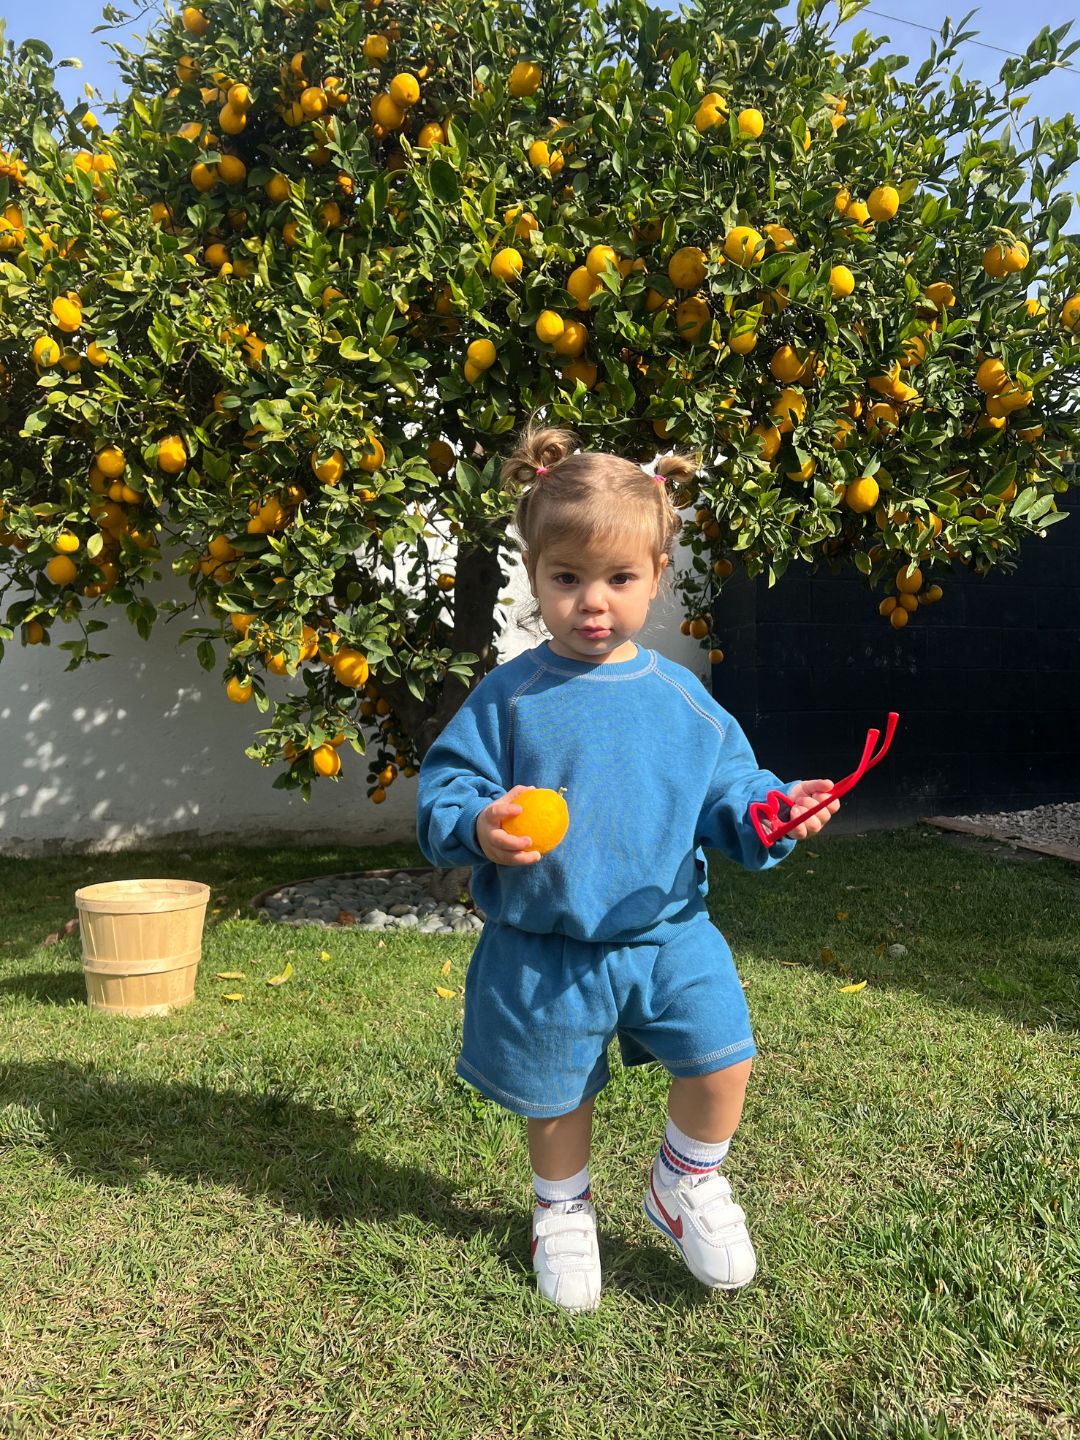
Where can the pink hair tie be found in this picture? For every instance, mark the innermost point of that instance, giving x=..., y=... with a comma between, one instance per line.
x=660, y=479
x=541, y=469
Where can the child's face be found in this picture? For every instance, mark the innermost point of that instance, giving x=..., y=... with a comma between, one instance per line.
x=595, y=602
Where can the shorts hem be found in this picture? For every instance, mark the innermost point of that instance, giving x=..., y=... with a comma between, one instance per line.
x=514, y=1103
x=715, y=1060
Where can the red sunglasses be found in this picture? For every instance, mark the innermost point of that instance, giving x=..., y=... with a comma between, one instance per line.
x=768, y=810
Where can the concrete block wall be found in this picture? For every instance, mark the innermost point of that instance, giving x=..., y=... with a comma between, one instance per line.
x=987, y=684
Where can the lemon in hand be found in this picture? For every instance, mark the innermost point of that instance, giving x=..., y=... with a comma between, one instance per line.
x=544, y=819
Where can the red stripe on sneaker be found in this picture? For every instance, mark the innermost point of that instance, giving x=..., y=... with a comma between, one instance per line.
x=536, y=1241
x=675, y=1226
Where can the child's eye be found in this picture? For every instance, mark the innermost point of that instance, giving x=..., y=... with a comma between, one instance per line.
x=623, y=579
x=566, y=579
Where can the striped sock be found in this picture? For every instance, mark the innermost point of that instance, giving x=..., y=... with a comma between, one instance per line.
x=683, y=1158
x=555, y=1192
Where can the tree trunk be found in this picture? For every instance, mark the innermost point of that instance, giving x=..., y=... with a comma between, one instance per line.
x=479, y=578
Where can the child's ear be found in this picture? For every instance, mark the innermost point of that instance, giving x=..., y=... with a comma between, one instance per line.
x=661, y=566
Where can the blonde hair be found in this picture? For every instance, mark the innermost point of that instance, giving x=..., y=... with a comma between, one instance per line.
x=585, y=496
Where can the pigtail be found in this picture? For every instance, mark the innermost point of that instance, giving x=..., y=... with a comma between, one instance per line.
x=676, y=472
x=539, y=449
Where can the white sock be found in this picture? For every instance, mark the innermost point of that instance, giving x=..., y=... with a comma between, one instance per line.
x=681, y=1157
x=554, y=1192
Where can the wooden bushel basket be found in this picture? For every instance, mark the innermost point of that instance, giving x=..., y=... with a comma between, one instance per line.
x=141, y=943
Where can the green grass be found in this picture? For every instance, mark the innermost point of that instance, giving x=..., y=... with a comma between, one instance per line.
x=284, y=1217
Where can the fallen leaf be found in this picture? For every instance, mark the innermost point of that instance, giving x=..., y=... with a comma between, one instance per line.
x=841, y=914
x=285, y=974
x=325, y=956
x=215, y=912
x=445, y=969
x=813, y=855
x=852, y=989
x=809, y=872
x=237, y=996
x=228, y=975
x=381, y=945
x=827, y=956
x=445, y=994
x=881, y=949
x=346, y=917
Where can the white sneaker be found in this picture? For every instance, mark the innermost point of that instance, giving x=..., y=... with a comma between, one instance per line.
x=708, y=1227
x=565, y=1254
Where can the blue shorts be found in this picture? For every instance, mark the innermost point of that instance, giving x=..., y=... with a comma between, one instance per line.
x=541, y=1011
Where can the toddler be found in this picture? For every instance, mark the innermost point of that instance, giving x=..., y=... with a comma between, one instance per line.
x=607, y=935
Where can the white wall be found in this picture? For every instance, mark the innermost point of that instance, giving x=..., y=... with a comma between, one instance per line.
x=143, y=749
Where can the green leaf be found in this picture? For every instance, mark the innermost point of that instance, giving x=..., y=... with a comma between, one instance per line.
x=444, y=182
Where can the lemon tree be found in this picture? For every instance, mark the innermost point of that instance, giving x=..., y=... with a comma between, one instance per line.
x=276, y=328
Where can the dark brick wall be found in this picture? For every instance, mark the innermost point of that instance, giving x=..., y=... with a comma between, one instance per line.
x=987, y=684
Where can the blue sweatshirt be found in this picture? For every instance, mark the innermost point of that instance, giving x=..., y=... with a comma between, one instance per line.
x=653, y=770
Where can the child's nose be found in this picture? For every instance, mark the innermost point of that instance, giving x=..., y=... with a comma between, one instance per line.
x=593, y=597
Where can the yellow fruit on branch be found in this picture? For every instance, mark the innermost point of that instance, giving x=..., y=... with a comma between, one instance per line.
x=599, y=258
x=686, y=268
x=481, y=353
x=67, y=315
x=883, y=203
x=744, y=246
x=506, y=264
x=194, y=21
x=386, y=113
x=405, y=90
x=579, y=370
x=842, y=282
x=751, y=123
x=376, y=47
x=111, y=462
x=991, y=377
x=862, y=495
x=909, y=580
x=544, y=819
x=572, y=339
x=61, y=570
x=326, y=760
x=172, y=455
x=204, y=177
x=582, y=285
x=46, y=352
x=788, y=410
x=524, y=79
x=441, y=457
x=692, y=318
x=373, y=456
x=350, y=667
x=330, y=470
x=549, y=327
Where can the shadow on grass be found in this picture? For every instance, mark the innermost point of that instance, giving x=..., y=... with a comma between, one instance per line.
x=312, y=1162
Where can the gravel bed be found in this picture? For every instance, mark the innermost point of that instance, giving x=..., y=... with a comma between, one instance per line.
x=403, y=902
x=1045, y=825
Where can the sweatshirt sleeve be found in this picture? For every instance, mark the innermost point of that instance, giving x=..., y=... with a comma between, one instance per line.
x=462, y=773
x=725, y=822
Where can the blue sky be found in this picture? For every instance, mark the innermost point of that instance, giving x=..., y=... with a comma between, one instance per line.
x=66, y=25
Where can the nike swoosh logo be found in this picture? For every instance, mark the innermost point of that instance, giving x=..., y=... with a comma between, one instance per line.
x=675, y=1226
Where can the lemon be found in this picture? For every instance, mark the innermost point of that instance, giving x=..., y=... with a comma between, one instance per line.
x=481, y=353
x=862, y=495
x=61, y=570
x=842, y=281
x=548, y=328
x=686, y=268
x=599, y=258
x=524, y=79
x=172, y=455
x=692, y=316
x=405, y=89
x=751, y=123
x=744, y=246
x=581, y=285
x=506, y=264
x=883, y=203
x=329, y=471
x=572, y=339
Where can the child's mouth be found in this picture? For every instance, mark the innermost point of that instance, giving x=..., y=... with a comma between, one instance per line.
x=593, y=632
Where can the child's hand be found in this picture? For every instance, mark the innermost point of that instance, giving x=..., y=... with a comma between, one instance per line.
x=809, y=792
x=496, y=844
